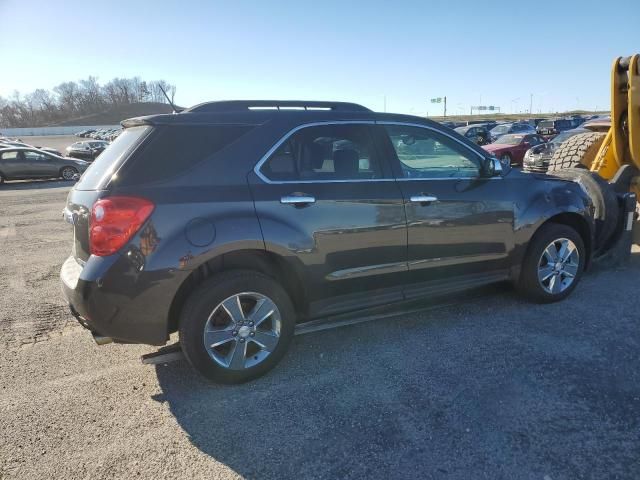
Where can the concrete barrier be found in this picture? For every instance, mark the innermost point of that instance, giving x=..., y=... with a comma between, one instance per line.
x=41, y=131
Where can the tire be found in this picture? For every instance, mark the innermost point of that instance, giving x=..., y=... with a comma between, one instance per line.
x=204, y=310
x=505, y=159
x=530, y=283
x=604, y=200
x=578, y=151
x=67, y=173
x=1, y=179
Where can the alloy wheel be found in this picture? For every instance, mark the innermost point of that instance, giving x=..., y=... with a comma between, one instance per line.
x=558, y=266
x=242, y=330
x=68, y=173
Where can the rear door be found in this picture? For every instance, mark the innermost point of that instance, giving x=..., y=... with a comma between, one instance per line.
x=327, y=202
x=460, y=225
x=12, y=164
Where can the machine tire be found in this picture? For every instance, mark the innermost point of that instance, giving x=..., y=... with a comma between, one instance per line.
x=603, y=197
x=1, y=179
x=577, y=151
x=207, y=298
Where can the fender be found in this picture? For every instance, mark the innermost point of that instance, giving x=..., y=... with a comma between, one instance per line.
x=553, y=197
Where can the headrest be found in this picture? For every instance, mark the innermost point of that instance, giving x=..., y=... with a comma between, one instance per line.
x=346, y=163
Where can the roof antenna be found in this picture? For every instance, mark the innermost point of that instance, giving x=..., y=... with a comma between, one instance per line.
x=175, y=109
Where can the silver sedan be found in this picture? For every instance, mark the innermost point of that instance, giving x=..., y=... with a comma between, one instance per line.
x=20, y=163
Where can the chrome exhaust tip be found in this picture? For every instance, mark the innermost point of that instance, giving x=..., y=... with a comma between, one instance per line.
x=100, y=340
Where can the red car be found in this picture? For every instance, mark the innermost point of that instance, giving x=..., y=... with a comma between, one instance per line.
x=512, y=147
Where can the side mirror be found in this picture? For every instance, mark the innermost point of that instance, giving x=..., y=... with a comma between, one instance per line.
x=491, y=167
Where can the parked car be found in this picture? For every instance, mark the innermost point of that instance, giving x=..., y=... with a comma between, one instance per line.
x=234, y=226
x=87, y=150
x=507, y=128
x=536, y=159
x=478, y=134
x=13, y=143
x=20, y=163
x=549, y=128
x=510, y=148
x=51, y=150
x=452, y=125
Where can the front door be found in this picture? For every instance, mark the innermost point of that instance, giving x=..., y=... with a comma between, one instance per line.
x=40, y=164
x=460, y=224
x=328, y=204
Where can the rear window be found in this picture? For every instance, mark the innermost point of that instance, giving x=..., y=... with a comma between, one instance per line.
x=173, y=150
x=99, y=173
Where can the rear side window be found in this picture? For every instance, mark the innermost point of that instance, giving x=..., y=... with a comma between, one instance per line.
x=173, y=150
x=100, y=172
x=325, y=153
x=9, y=155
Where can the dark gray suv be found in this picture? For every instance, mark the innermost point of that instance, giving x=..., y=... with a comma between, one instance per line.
x=233, y=223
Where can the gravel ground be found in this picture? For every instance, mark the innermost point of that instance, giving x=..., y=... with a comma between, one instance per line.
x=491, y=387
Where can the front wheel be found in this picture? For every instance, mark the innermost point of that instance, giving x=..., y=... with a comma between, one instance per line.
x=505, y=159
x=553, y=264
x=68, y=173
x=236, y=326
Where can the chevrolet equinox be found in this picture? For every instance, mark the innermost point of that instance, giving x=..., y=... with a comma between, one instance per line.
x=232, y=222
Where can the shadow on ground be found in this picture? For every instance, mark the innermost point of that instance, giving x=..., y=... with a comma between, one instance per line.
x=491, y=388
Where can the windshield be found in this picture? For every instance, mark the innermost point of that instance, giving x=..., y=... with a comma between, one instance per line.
x=500, y=129
x=546, y=124
x=510, y=139
x=99, y=173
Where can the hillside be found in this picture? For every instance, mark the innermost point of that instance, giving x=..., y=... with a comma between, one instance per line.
x=116, y=114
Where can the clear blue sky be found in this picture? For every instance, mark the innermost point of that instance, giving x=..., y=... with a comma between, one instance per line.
x=361, y=51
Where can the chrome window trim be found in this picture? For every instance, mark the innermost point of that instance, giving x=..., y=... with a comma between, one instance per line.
x=286, y=136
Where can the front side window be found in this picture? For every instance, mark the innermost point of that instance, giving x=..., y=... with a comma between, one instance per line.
x=325, y=153
x=424, y=153
x=38, y=157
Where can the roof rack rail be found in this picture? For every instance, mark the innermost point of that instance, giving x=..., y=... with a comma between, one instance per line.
x=287, y=105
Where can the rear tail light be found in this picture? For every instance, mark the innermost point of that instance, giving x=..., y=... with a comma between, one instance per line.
x=114, y=221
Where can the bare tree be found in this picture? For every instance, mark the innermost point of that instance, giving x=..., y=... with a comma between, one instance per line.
x=71, y=99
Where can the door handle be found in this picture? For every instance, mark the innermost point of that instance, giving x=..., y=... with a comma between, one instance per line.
x=423, y=198
x=297, y=200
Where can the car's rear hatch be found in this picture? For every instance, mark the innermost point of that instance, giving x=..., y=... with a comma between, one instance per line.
x=94, y=184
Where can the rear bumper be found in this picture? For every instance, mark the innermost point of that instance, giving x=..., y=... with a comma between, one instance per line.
x=112, y=299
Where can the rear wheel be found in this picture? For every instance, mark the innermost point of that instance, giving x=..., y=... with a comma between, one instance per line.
x=236, y=326
x=553, y=264
x=68, y=173
x=1, y=179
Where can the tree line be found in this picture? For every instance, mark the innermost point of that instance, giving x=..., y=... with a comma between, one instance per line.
x=76, y=99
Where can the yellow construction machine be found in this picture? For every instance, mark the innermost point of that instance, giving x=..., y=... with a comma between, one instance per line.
x=607, y=161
